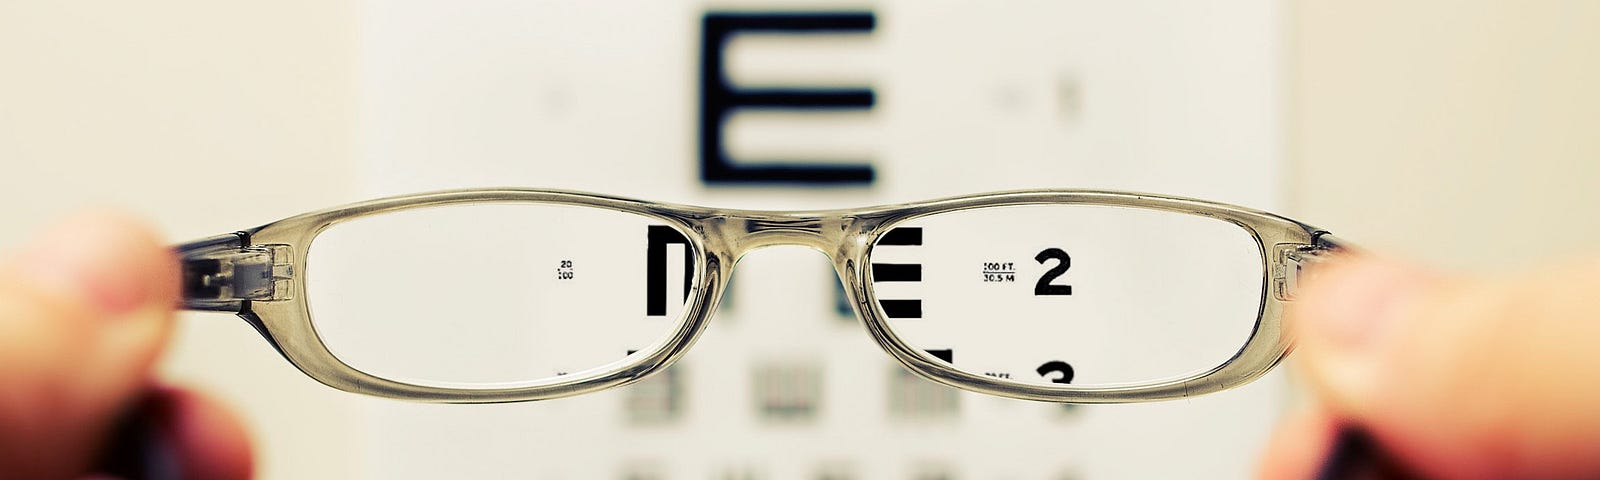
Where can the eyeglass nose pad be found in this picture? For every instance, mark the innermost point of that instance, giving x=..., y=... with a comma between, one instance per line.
x=856, y=299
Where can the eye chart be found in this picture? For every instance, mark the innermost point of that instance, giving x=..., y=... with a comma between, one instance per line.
x=812, y=105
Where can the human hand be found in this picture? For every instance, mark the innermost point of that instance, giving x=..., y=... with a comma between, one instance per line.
x=84, y=312
x=1450, y=377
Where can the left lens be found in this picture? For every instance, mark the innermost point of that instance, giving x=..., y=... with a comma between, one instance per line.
x=1070, y=294
x=496, y=295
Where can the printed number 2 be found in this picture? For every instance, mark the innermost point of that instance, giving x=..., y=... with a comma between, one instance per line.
x=1044, y=287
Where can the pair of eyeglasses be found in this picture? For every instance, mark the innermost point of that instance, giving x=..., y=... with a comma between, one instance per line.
x=503, y=295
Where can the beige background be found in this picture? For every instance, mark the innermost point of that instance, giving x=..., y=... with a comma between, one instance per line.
x=1463, y=134
x=105, y=103
x=1460, y=134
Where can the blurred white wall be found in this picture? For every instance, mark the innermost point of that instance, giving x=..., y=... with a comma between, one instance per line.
x=1459, y=133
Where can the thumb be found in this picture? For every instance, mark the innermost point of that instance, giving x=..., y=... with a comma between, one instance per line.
x=1460, y=377
x=84, y=309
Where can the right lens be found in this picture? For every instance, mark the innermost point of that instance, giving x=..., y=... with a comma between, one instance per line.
x=496, y=295
x=1085, y=295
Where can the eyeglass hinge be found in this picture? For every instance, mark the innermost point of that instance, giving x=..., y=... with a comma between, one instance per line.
x=1293, y=263
x=223, y=272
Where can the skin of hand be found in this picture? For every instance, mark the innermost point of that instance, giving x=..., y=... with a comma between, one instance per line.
x=85, y=310
x=1452, y=377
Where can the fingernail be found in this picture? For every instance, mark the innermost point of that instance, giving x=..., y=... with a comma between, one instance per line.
x=1345, y=321
x=87, y=258
x=1353, y=306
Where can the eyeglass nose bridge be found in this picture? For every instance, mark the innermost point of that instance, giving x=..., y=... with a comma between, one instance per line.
x=742, y=232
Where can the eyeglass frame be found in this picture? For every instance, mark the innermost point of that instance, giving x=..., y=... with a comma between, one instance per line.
x=255, y=274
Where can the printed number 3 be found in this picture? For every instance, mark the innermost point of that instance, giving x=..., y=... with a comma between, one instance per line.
x=1044, y=287
x=1056, y=366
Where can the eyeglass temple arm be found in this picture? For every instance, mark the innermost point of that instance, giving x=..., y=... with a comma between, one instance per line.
x=224, y=273
x=1325, y=240
x=1297, y=262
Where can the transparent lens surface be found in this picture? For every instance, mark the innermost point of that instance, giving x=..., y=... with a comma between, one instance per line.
x=1070, y=294
x=495, y=295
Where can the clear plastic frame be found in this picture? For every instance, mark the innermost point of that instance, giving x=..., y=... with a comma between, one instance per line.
x=1148, y=243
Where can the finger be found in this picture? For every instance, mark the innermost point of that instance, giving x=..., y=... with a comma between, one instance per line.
x=1299, y=446
x=210, y=440
x=84, y=309
x=1461, y=378
x=1314, y=443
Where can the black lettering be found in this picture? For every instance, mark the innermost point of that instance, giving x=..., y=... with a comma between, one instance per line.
x=718, y=98
x=1064, y=261
x=656, y=267
x=1056, y=366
